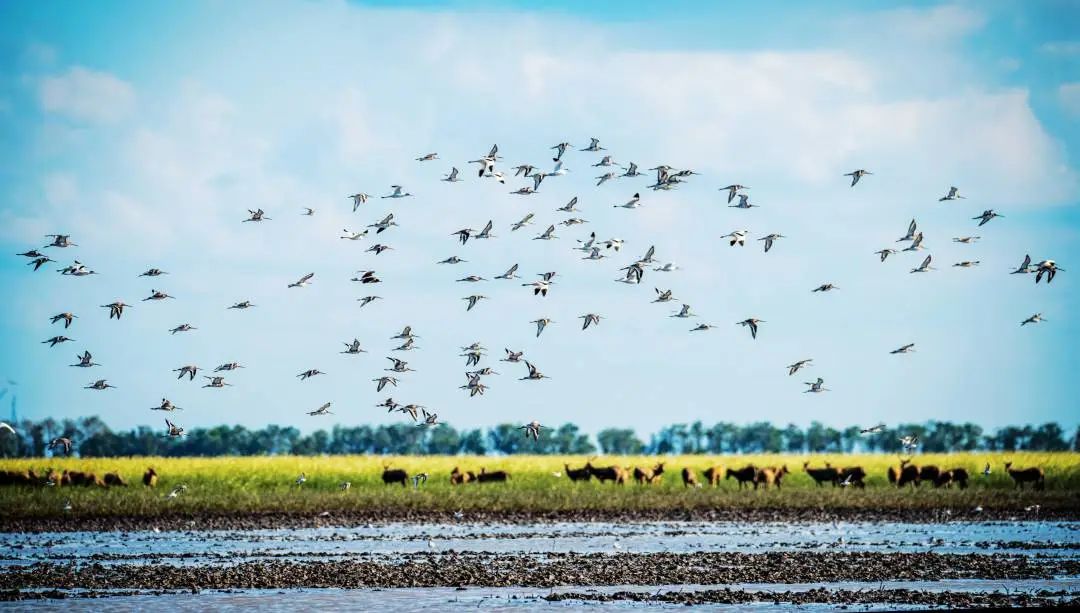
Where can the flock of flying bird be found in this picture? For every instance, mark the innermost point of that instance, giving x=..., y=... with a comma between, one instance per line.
x=594, y=248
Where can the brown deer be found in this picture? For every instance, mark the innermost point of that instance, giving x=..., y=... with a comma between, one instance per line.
x=713, y=475
x=822, y=475
x=645, y=476
x=1033, y=475
x=929, y=473
x=579, y=474
x=457, y=477
x=853, y=475
x=114, y=479
x=149, y=478
x=770, y=476
x=495, y=476
x=394, y=475
x=909, y=473
x=689, y=478
x=744, y=475
x=960, y=477
x=617, y=474
x=85, y=478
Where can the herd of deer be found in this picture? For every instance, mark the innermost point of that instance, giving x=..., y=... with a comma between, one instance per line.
x=904, y=474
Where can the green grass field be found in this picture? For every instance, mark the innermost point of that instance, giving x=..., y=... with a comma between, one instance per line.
x=249, y=485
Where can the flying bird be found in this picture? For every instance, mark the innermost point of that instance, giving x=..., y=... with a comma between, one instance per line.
x=797, y=366
x=590, y=318
x=304, y=281
x=532, y=429
x=954, y=194
x=541, y=324
x=816, y=387
x=1034, y=319
x=908, y=348
x=986, y=216
x=925, y=266
x=1048, y=268
x=733, y=190
x=323, y=410
x=753, y=324
x=397, y=193
x=856, y=175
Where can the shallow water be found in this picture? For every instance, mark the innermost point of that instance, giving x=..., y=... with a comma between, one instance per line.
x=386, y=540
x=499, y=599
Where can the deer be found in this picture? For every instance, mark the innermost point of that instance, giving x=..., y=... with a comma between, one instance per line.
x=457, y=477
x=689, y=478
x=495, y=476
x=743, y=475
x=645, y=476
x=769, y=476
x=579, y=474
x=908, y=473
x=618, y=474
x=394, y=475
x=114, y=479
x=712, y=475
x=822, y=475
x=928, y=473
x=1033, y=475
x=149, y=478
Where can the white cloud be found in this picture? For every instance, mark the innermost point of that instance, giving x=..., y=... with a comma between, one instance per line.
x=87, y=95
x=1069, y=95
x=1061, y=47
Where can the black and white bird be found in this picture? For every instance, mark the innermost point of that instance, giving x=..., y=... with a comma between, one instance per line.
x=166, y=405
x=744, y=203
x=304, y=281
x=66, y=317
x=1034, y=319
x=323, y=410
x=733, y=190
x=513, y=356
x=738, y=237
x=358, y=199
x=511, y=273
x=309, y=373
x=453, y=176
x=189, y=369
x=534, y=373
x=216, y=381
x=428, y=157
x=367, y=300
x=816, y=387
x=885, y=253
x=472, y=300
x=383, y=382
x=797, y=366
x=966, y=240
x=353, y=348
x=257, y=215
x=873, y=429
x=183, y=328
x=547, y=234
x=116, y=309
x=527, y=220
x=569, y=206
x=954, y=194
x=61, y=241
x=246, y=304
x=986, y=216
x=684, y=312
x=590, y=319
x=383, y=224
x=633, y=203
x=752, y=323
x=824, y=287
x=770, y=239
x=56, y=340
x=925, y=266
x=100, y=384
x=532, y=429
x=378, y=248
x=560, y=149
x=910, y=232
x=541, y=324
x=856, y=175
x=85, y=360
x=1048, y=268
x=908, y=348
x=398, y=192
x=399, y=366
x=1025, y=267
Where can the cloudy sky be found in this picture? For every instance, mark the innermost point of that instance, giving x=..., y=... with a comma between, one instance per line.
x=147, y=130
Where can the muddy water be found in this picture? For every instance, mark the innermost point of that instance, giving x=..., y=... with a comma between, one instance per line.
x=384, y=540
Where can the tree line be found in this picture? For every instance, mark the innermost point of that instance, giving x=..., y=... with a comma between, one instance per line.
x=91, y=437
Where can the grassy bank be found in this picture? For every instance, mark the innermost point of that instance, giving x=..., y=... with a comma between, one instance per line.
x=256, y=485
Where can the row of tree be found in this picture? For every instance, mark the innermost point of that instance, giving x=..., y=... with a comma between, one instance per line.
x=92, y=438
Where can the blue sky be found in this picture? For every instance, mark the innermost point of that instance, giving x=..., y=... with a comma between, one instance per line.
x=146, y=131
